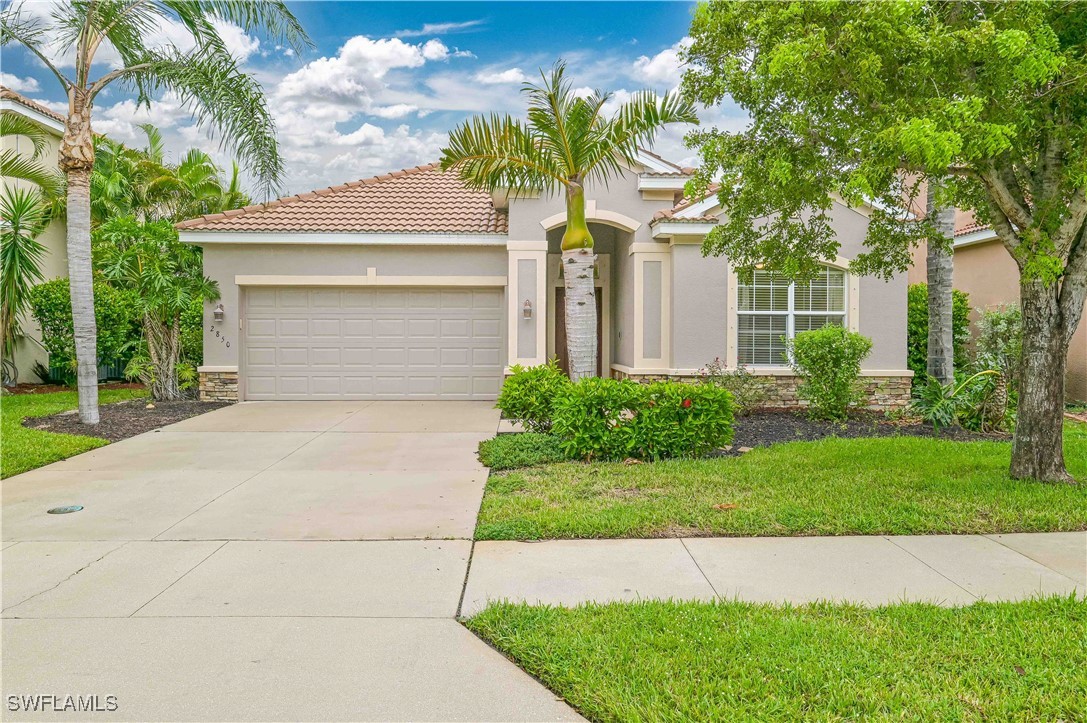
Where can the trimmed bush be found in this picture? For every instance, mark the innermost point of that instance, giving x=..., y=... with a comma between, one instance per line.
x=529, y=393
x=114, y=312
x=917, y=330
x=828, y=362
x=609, y=419
x=528, y=449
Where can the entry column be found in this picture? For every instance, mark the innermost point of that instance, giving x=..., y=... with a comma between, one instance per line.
x=527, y=302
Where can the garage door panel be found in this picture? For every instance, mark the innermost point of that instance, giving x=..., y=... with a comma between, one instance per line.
x=372, y=343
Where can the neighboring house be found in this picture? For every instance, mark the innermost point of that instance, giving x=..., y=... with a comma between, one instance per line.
x=410, y=286
x=54, y=238
x=985, y=271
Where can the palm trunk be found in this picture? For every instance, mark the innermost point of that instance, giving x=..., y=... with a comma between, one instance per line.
x=1037, y=451
x=578, y=261
x=77, y=160
x=941, y=332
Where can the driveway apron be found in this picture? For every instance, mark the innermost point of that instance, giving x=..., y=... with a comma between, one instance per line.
x=265, y=561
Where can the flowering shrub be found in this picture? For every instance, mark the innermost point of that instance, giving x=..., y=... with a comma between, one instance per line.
x=608, y=419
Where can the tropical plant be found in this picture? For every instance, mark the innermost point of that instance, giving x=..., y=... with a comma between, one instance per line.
x=167, y=278
x=917, y=329
x=23, y=217
x=31, y=168
x=856, y=101
x=567, y=143
x=943, y=405
x=207, y=80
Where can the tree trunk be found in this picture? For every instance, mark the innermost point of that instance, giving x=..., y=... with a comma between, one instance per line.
x=1037, y=451
x=578, y=262
x=76, y=160
x=164, y=349
x=941, y=331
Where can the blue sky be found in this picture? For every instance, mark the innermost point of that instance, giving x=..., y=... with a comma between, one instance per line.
x=387, y=80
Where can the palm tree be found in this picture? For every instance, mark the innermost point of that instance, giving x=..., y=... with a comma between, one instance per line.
x=939, y=265
x=25, y=212
x=206, y=78
x=567, y=143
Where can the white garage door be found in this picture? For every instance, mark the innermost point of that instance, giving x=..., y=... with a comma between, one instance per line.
x=373, y=343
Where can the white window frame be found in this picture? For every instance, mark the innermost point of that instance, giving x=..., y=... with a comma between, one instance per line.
x=850, y=315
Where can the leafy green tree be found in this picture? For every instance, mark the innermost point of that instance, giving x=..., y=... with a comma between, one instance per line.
x=167, y=279
x=567, y=143
x=864, y=101
x=206, y=78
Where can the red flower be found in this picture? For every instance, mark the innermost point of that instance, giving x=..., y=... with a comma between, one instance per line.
x=686, y=403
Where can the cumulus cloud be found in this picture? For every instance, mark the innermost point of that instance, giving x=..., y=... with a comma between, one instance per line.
x=237, y=42
x=513, y=75
x=20, y=85
x=664, y=68
x=439, y=29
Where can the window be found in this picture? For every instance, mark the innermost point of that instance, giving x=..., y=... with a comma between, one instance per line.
x=771, y=309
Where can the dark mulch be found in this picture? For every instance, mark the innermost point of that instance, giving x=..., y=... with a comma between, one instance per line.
x=124, y=419
x=50, y=388
x=761, y=429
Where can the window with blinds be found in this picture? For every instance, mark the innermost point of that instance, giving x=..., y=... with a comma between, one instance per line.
x=771, y=310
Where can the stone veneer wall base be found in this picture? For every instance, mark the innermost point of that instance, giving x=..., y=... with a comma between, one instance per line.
x=218, y=386
x=882, y=393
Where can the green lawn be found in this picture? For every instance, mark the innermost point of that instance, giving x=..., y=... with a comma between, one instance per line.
x=733, y=661
x=23, y=449
x=895, y=485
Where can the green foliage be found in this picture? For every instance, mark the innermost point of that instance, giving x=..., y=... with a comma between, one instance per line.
x=115, y=313
x=917, y=329
x=529, y=393
x=999, y=343
x=527, y=449
x=192, y=334
x=748, y=391
x=828, y=362
x=969, y=402
x=612, y=419
x=23, y=217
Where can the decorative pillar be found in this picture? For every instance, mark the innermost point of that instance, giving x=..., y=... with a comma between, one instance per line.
x=527, y=283
x=652, y=307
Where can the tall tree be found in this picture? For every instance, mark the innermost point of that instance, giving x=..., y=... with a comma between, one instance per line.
x=848, y=101
x=206, y=78
x=567, y=143
x=939, y=269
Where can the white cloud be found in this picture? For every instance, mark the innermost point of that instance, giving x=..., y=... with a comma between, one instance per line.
x=664, y=68
x=513, y=75
x=438, y=29
x=435, y=50
x=20, y=85
x=237, y=42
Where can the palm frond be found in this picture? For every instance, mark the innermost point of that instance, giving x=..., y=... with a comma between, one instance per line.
x=636, y=124
x=498, y=152
x=24, y=214
x=13, y=124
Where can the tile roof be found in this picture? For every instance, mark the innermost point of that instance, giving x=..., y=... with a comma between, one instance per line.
x=971, y=227
x=414, y=200
x=679, y=168
x=9, y=94
x=669, y=213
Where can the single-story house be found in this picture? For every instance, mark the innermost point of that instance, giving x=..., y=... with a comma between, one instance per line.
x=411, y=286
x=54, y=262
x=986, y=271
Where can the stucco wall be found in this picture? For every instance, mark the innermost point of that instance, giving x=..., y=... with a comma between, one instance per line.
x=223, y=262
x=54, y=262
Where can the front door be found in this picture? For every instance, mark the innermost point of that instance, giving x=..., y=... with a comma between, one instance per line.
x=560, y=330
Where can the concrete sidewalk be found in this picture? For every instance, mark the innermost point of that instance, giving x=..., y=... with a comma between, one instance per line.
x=944, y=569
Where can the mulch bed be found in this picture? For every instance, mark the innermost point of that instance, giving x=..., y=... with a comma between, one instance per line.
x=124, y=419
x=761, y=429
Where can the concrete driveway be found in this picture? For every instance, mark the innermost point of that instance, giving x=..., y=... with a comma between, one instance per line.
x=266, y=561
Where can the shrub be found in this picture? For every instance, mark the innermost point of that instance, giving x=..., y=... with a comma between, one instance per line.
x=972, y=402
x=609, y=419
x=748, y=391
x=115, y=315
x=917, y=329
x=999, y=342
x=510, y=451
x=192, y=334
x=529, y=394
x=828, y=362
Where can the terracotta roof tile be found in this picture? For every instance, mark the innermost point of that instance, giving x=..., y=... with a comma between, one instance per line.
x=971, y=228
x=669, y=213
x=10, y=94
x=414, y=200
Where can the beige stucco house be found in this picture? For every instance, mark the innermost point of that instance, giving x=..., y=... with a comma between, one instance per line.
x=984, y=270
x=410, y=286
x=55, y=261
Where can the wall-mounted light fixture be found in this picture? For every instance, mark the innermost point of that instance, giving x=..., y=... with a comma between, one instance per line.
x=526, y=310
x=219, y=312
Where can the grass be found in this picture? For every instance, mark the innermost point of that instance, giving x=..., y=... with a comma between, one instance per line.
x=895, y=485
x=1022, y=661
x=510, y=451
x=26, y=449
